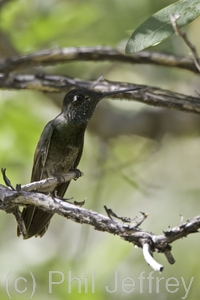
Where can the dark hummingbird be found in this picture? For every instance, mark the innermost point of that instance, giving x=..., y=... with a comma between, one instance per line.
x=59, y=150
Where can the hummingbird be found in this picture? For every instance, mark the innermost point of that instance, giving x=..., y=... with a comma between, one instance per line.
x=59, y=150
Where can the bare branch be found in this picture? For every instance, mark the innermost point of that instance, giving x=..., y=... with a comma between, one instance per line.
x=149, y=242
x=145, y=94
x=99, y=53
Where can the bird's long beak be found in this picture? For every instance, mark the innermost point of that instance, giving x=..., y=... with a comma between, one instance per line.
x=118, y=92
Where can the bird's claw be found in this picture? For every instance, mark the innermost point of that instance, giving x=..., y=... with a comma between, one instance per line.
x=78, y=173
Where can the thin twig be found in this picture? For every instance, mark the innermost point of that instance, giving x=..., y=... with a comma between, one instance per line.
x=5, y=179
x=183, y=35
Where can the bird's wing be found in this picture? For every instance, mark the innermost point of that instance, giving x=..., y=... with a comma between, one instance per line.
x=41, y=152
x=35, y=218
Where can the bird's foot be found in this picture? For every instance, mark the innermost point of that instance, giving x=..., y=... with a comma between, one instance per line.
x=78, y=173
x=60, y=178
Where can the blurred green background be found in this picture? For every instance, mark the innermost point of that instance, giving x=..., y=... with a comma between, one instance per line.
x=157, y=174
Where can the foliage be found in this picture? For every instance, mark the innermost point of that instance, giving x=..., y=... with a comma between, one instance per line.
x=159, y=26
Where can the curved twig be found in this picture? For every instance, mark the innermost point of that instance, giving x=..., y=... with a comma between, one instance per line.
x=149, y=258
x=98, y=53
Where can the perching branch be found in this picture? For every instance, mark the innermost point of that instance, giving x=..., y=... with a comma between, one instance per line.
x=128, y=231
x=48, y=184
x=44, y=185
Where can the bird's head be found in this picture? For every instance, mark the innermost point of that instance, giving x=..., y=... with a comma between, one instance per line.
x=79, y=104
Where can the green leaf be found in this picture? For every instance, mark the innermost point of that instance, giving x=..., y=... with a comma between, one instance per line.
x=158, y=27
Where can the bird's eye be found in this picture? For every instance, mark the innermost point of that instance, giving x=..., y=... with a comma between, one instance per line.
x=78, y=98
